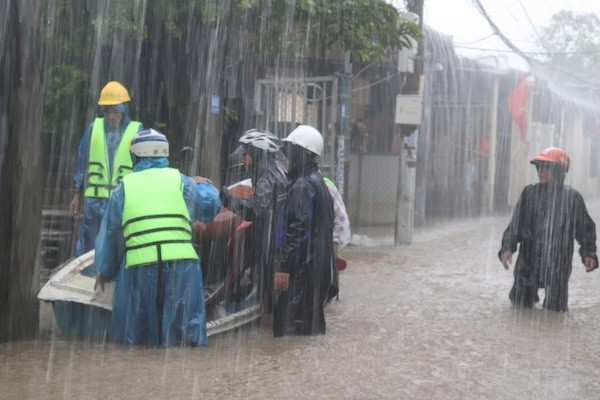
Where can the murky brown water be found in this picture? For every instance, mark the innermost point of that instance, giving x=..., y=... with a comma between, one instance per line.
x=426, y=321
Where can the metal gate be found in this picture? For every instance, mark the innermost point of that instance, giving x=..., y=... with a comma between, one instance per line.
x=282, y=104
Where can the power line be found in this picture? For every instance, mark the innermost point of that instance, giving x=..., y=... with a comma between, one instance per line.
x=530, y=21
x=525, y=55
x=549, y=53
x=499, y=33
x=478, y=40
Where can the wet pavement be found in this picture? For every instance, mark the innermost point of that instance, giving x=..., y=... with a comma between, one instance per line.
x=427, y=321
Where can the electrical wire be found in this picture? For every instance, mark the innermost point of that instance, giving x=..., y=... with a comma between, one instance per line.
x=549, y=53
x=530, y=21
x=525, y=55
x=502, y=37
x=478, y=40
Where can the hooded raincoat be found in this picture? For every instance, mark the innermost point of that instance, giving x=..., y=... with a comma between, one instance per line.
x=545, y=223
x=135, y=316
x=265, y=209
x=94, y=207
x=308, y=254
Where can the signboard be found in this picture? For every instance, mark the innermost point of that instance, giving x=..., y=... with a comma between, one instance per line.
x=408, y=109
x=215, y=104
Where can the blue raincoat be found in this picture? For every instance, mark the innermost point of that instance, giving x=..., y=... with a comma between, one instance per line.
x=94, y=207
x=134, y=316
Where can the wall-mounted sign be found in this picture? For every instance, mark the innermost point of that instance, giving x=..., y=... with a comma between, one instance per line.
x=408, y=109
x=215, y=104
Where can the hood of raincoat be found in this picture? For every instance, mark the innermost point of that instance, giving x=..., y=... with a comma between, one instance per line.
x=143, y=163
x=123, y=108
x=299, y=160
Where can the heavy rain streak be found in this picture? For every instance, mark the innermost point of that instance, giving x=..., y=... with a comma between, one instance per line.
x=447, y=165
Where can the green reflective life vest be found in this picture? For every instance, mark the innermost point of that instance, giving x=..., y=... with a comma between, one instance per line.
x=156, y=222
x=101, y=179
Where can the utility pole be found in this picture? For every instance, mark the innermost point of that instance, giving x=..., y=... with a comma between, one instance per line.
x=413, y=81
x=408, y=115
x=345, y=123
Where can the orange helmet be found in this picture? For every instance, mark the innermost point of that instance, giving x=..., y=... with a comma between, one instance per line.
x=553, y=155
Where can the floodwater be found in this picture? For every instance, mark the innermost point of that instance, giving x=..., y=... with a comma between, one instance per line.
x=427, y=321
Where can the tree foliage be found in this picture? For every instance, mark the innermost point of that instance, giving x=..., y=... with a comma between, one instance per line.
x=572, y=43
x=327, y=28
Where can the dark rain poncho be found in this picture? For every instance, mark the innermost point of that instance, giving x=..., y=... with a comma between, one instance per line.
x=265, y=210
x=545, y=222
x=307, y=256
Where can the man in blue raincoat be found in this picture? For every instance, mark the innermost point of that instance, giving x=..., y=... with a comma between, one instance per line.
x=102, y=161
x=145, y=244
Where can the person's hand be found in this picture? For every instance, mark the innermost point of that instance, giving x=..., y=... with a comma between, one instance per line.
x=506, y=259
x=201, y=179
x=100, y=280
x=282, y=281
x=590, y=264
x=74, y=205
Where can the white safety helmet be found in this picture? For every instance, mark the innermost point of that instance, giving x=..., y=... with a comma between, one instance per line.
x=262, y=140
x=306, y=137
x=149, y=143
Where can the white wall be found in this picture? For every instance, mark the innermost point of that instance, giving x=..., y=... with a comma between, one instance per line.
x=372, y=189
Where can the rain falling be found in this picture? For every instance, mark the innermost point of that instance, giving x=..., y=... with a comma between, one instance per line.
x=429, y=149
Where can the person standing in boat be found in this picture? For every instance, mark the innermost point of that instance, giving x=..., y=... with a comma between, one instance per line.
x=259, y=151
x=102, y=161
x=547, y=219
x=306, y=277
x=145, y=245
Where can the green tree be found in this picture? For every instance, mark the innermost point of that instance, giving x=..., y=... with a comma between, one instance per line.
x=327, y=28
x=572, y=43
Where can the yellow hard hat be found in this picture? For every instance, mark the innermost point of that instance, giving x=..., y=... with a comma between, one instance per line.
x=113, y=93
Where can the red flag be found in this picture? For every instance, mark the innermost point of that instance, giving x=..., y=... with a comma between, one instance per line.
x=517, y=102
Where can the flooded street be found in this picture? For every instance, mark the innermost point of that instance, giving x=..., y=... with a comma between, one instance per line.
x=411, y=125
x=427, y=321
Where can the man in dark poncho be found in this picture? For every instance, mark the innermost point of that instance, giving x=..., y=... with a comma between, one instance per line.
x=546, y=220
x=259, y=151
x=305, y=278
